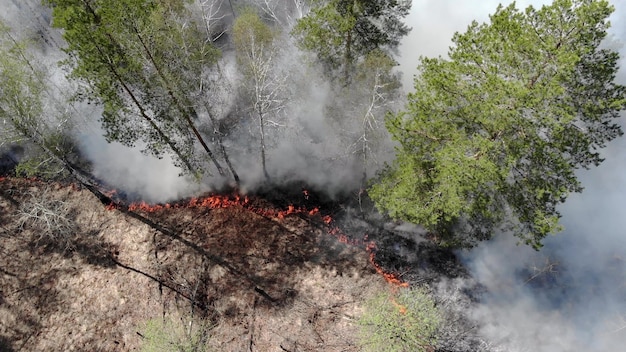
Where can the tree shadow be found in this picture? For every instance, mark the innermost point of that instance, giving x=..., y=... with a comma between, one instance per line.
x=32, y=264
x=241, y=253
x=88, y=246
x=5, y=345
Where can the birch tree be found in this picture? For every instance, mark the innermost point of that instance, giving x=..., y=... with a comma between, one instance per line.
x=374, y=94
x=263, y=86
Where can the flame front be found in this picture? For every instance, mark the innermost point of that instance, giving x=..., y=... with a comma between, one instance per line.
x=225, y=201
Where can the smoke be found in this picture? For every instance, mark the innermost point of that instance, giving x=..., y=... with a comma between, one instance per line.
x=149, y=179
x=570, y=296
x=124, y=168
x=303, y=143
x=302, y=146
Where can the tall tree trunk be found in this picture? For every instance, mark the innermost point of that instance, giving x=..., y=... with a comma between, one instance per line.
x=132, y=96
x=150, y=121
x=188, y=113
x=262, y=129
x=218, y=134
x=347, y=65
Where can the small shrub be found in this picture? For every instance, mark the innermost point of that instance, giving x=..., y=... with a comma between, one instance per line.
x=47, y=217
x=399, y=322
x=166, y=334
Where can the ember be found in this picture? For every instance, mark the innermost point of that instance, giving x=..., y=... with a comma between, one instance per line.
x=370, y=247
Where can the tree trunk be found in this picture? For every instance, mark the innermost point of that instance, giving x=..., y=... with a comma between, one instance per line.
x=143, y=113
x=187, y=113
x=132, y=96
x=262, y=129
x=347, y=59
x=218, y=134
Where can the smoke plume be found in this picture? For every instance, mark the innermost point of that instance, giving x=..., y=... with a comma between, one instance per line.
x=303, y=144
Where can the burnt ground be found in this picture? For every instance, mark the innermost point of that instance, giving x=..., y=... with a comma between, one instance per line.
x=258, y=283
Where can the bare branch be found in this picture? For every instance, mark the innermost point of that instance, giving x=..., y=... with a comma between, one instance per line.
x=48, y=217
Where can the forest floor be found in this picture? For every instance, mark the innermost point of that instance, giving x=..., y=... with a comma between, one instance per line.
x=232, y=277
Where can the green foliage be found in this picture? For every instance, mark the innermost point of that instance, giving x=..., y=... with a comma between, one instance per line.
x=39, y=166
x=340, y=32
x=167, y=334
x=253, y=40
x=143, y=61
x=27, y=111
x=491, y=139
x=385, y=327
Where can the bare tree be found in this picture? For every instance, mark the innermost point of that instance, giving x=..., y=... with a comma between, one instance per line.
x=263, y=86
x=358, y=111
x=284, y=13
x=379, y=87
x=213, y=15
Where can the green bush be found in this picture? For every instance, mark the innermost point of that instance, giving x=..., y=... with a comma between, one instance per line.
x=405, y=321
x=166, y=334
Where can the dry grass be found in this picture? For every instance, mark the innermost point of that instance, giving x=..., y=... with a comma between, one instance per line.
x=265, y=284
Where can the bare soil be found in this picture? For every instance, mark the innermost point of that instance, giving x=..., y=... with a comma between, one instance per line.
x=263, y=283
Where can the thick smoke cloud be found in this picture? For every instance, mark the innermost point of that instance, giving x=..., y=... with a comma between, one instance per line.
x=570, y=296
x=149, y=179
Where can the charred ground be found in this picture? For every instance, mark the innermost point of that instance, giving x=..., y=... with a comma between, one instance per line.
x=265, y=276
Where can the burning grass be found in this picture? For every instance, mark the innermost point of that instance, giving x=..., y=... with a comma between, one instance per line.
x=259, y=207
x=256, y=206
x=263, y=277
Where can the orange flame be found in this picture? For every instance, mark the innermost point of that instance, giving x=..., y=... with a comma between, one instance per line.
x=370, y=246
x=402, y=309
x=389, y=277
x=395, y=282
x=224, y=201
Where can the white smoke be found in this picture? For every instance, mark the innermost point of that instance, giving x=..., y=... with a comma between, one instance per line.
x=298, y=152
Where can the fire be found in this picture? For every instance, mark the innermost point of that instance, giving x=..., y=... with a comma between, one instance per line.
x=235, y=200
x=389, y=277
x=395, y=282
x=402, y=309
x=370, y=246
x=222, y=201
